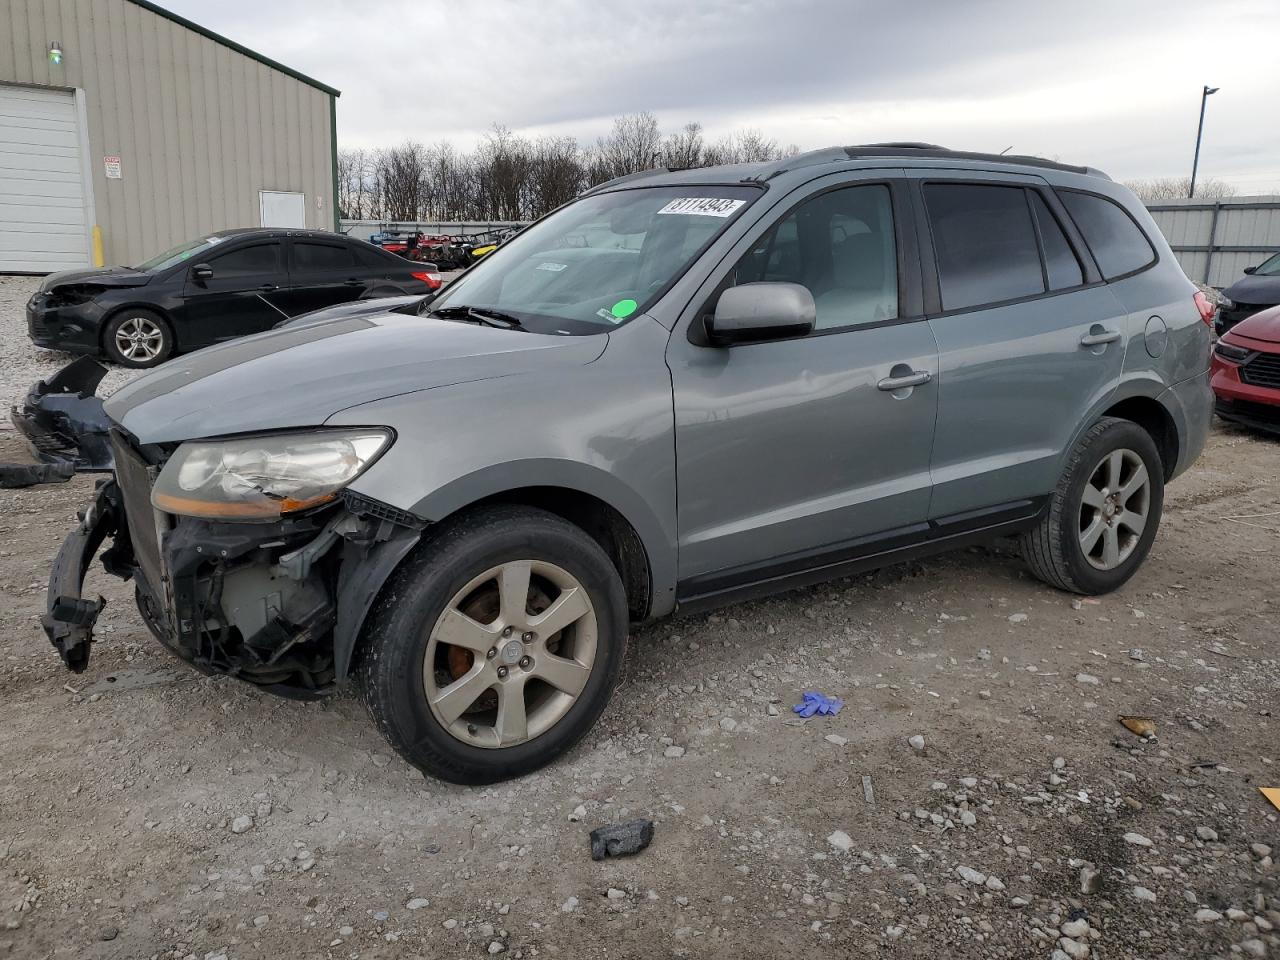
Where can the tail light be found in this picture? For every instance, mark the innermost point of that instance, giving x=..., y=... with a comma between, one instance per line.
x=435, y=281
x=1205, y=306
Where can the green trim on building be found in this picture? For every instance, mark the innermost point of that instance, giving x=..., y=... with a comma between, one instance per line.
x=238, y=48
x=333, y=140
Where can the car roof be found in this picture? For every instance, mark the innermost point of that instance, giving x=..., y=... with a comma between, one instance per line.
x=279, y=232
x=907, y=153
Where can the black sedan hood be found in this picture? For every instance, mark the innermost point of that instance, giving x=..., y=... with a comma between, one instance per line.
x=1264, y=291
x=102, y=277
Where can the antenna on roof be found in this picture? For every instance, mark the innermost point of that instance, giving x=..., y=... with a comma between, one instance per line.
x=1006, y=150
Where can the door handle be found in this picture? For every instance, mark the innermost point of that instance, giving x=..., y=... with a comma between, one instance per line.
x=268, y=287
x=353, y=282
x=1098, y=339
x=913, y=379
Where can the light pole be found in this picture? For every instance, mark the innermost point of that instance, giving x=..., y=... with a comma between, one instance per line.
x=1199, y=131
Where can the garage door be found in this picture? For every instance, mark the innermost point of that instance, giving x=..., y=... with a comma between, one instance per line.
x=42, y=210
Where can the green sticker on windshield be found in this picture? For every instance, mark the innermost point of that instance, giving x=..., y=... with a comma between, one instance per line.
x=623, y=308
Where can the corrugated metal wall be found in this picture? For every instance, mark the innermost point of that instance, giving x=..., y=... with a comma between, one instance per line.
x=200, y=128
x=1215, y=241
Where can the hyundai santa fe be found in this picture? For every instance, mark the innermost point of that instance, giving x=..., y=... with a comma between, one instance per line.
x=682, y=389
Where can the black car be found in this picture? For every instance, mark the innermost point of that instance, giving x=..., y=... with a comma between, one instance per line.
x=1252, y=293
x=222, y=286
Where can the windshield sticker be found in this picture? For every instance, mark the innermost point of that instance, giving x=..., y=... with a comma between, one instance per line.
x=703, y=206
x=604, y=314
x=553, y=267
x=623, y=309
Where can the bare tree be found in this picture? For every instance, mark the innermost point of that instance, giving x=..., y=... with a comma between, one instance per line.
x=683, y=150
x=353, y=187
x=633, y=145
x=401, y=174
x=1177, y=188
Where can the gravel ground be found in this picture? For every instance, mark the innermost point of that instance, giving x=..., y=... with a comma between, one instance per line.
x=150, y=812
x=22, y=364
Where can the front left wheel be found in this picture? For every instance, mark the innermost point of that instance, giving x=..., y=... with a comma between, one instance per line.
x=138, y=338
x=496, y=647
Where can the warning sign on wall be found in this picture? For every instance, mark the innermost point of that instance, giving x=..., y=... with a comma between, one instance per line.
x=112, y=167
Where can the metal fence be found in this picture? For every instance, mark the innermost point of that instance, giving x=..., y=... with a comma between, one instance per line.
x=1215, y=240
x=364, y=229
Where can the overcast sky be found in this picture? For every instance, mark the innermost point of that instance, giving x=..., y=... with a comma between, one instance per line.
x=1112, y=84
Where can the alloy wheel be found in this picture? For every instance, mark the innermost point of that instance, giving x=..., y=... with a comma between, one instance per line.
x=139, y=339
x=1114, y=509
x=511, y=653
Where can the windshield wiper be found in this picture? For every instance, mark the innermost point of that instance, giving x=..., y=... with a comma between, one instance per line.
x=488, y=318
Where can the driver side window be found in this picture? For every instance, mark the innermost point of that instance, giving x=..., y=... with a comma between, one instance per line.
x=841, y=245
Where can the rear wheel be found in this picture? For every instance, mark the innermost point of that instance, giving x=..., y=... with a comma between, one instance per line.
x=1103, y=516
x=497, y=647
x=138, y=338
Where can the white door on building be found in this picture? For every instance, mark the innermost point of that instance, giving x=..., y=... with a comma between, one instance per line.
x=283, y=209
x=43, y=223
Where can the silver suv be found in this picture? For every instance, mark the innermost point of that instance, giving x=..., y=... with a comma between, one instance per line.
x=682, y=389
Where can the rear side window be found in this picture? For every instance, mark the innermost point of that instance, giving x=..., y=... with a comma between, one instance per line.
x=984, y=242
x=1062, y=269
x=375, y=259
x=259, y=258
x=321, y=256
x=1117, y=243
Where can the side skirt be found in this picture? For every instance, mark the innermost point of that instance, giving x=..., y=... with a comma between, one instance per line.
x=848, y=557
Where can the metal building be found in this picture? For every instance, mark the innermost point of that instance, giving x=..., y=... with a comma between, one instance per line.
x=126, y=129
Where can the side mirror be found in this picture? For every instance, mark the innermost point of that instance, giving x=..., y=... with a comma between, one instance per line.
x=201, y=272
x=762, y=311
x=1250, y=270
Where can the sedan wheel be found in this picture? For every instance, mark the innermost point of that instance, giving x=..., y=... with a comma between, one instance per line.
x=139, y=339
x=510, y=654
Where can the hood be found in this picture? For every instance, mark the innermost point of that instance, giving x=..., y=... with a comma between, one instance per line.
x=355, y=308
x=1254, y=289
x=102, y=276
x=299, y=376
x=1261, y=326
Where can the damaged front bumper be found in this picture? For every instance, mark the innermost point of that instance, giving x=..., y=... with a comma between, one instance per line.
x=279, y=605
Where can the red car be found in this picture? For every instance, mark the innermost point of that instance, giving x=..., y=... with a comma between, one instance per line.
x=1246, y=372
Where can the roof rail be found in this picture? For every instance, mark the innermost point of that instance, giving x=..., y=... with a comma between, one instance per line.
x=626, y=178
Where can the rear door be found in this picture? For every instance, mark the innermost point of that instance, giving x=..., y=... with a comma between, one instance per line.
x=243, y=296
x=323, y=273
x=1029, y=337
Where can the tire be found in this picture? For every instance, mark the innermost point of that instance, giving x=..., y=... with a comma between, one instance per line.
x=454, y=572
x=137, y=338
x=1055, y=549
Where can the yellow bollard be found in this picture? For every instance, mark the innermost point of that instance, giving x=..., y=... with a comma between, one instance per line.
x=98, y=260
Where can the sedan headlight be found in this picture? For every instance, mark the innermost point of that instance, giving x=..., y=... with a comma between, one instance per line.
x=262, y=478
x=1229, y=351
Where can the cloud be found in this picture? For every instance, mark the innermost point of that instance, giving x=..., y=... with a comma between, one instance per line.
x=1113, y=85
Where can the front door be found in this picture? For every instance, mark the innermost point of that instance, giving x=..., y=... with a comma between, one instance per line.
x=795, y=453
x=1029, y=338
x=242, y=297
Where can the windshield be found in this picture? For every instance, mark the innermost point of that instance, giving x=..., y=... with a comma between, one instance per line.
x=185, y=251
x=1269, y=267
x=599, y=261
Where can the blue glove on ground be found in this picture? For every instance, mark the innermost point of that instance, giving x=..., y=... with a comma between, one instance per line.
x=815, y=702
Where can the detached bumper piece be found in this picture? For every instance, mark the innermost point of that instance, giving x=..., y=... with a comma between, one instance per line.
x=16, y=475
x=63, y=420
x=69, y=619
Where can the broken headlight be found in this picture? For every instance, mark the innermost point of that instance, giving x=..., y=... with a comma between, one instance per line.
x=261, y=478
